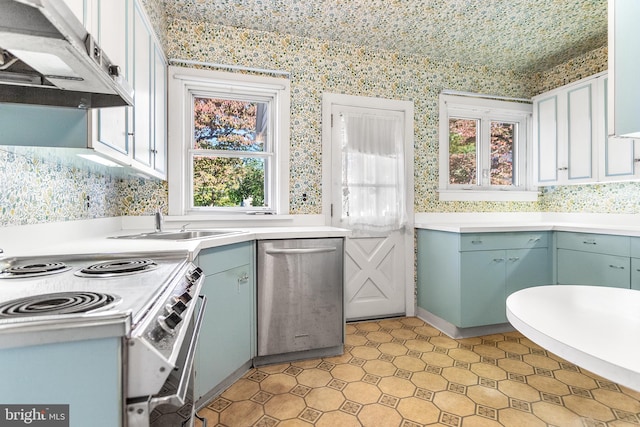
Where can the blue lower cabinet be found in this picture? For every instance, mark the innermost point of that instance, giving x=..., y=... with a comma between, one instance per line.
x=595, y=259
x=227, y=339
x=466, y=278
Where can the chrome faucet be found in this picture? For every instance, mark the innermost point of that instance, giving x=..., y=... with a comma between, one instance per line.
x=158, y=218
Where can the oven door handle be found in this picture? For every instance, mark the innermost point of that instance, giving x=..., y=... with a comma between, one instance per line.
x=179, y=398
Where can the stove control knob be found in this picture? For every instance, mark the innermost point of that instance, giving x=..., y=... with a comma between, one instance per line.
x=194, y=275
x=177, y=306
x=165, y=325
x=172, y=320
x=185, y=297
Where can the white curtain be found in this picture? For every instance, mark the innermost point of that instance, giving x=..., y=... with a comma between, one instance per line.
x=373, y=178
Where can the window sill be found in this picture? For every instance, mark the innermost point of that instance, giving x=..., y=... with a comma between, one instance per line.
x=487, y=196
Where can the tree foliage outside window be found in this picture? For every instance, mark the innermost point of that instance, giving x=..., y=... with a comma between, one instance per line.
x=463, y=147
x=229, y=152
x=462, y=151
x=502, y=135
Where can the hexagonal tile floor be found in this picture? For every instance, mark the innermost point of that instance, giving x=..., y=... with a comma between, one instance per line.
x=403, y=372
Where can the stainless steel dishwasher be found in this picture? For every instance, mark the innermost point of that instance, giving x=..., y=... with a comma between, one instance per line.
x=300, y=299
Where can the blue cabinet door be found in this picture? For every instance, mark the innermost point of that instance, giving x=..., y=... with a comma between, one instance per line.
x=635, y=273
x=227, y=337
x=226, y=346
x=527, y=268
x=483, y=288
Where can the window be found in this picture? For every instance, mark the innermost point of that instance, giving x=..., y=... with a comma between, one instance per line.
x=231, y=134
x=483, y=149
x=373, y=174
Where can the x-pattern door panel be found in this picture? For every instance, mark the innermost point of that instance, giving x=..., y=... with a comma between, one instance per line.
x=373, y=272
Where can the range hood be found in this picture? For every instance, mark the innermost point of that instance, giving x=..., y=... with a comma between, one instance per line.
x=48, y=58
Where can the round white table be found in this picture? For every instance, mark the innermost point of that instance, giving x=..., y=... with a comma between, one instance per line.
x=597, y=328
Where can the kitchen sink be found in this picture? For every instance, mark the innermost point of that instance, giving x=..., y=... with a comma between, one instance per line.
x=180, y=235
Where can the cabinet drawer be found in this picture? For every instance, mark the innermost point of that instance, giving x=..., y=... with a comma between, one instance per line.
x=584, y=268
x=597, y=243
x=222, y=258
x=492, y=241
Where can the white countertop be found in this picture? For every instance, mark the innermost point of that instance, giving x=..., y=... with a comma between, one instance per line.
x=597, y=328
x=625, y=225
x=94, y=236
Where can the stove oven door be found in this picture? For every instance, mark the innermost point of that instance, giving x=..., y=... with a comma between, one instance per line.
x=173, y=406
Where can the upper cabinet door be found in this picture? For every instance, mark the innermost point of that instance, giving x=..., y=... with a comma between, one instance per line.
x=160, y=112
x=565, y=129
x=142, y=78
x=580, y=145
x=546, y=141
x=112, y=28
x=624, y=63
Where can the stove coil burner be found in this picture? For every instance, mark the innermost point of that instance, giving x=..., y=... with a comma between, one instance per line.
x=118, y=267
x=33, y=270
x=56, y=303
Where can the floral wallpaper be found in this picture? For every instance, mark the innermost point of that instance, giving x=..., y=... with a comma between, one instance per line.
x=317, y=66
x=436, y=29
x=41, y=185
x=577, y=68
x=37, y=189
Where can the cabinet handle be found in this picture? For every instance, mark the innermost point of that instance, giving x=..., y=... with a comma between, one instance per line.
x=243, y=279
x=617, y=267
x=563, y=169
x=476, y=242
x=514, y=258
x=636, y=160
x=300, y=251
x=534, y=239
x=589, y=242
x=498, y=259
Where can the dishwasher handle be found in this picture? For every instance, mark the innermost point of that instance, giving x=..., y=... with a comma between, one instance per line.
x=300, y=251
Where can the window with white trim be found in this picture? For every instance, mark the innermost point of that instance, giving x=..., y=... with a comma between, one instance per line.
x=483, y=149
x=230, y=132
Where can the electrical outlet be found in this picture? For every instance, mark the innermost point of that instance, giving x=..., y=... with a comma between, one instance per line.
x=87, y=202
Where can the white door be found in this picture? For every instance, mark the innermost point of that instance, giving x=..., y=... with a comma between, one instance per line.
x=378, y=260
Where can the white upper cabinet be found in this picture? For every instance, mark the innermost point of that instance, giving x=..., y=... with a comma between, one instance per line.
x=565, y=130
x=133, y=136
x=110, y=134
x=624, y=63
x=159, y=112
x=571, y=137
x=149, y=84
x=546, y=139
x=142, y=81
